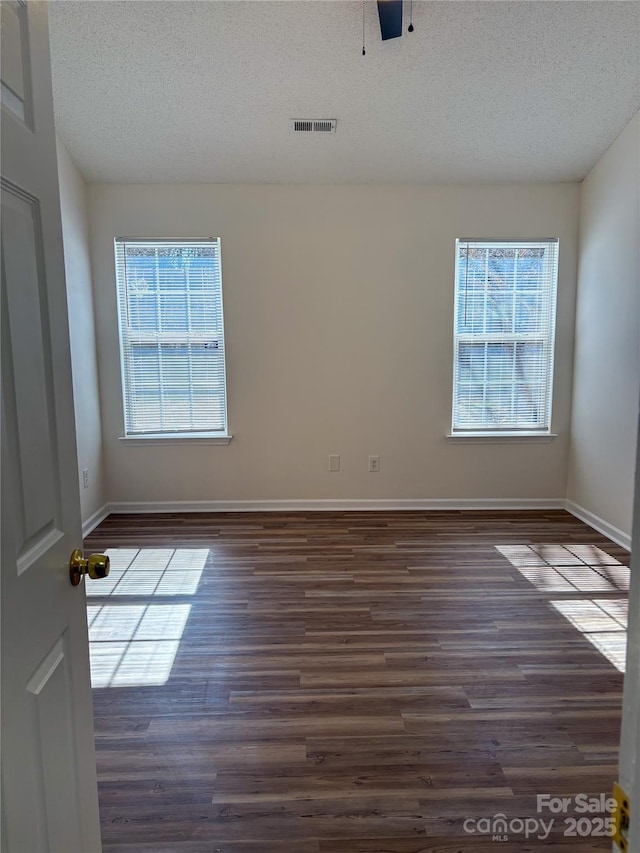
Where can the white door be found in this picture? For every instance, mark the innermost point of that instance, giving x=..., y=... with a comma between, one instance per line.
x=49, y=792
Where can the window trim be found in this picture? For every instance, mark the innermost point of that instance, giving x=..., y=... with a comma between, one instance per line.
x=219, y=436
x=177, y=438
x=523, y=437
x=527, y=431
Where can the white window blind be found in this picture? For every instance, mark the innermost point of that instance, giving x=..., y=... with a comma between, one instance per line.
x=505, y=302
x=171, y=336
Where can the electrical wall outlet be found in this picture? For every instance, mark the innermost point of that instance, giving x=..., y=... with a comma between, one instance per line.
x=85, y=478
x=334, y=462
x=374, y=464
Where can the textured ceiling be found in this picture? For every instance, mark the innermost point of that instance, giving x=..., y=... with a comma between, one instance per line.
x=203, y=91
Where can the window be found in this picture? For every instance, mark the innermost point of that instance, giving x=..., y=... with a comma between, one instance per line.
x=503, y=336
x=171, y=337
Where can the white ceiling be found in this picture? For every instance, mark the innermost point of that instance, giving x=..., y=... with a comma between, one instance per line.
x=177, y=90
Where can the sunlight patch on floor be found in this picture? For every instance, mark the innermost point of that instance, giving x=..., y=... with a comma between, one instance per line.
x=151, y=571
x=603, y=625
x=571, y=569
x=134, y=644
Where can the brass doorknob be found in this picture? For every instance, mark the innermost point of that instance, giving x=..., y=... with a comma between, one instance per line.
x=96, y=566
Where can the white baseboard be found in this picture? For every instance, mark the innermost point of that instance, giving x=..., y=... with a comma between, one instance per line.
x=615, y=534
x=94, y=520
x=339, y=505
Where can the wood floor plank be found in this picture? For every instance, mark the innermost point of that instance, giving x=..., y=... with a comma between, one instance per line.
x=351, y=682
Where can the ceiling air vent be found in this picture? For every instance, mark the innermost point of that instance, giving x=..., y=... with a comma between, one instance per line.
x=313, y=125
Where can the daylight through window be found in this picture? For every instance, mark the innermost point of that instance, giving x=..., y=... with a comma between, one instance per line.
x=505, y=298
x=171, y=337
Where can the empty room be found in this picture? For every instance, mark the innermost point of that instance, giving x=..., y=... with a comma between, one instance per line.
x=320, y=384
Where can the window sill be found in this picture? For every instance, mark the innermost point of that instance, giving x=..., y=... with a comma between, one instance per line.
x=502, y=437
x=177, y=438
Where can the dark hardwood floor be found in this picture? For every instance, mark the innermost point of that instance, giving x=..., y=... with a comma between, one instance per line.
x=353, y=682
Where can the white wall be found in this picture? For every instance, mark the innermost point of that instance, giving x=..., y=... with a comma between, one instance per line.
x=75, y=233
x=339, y=314
x=607, y=348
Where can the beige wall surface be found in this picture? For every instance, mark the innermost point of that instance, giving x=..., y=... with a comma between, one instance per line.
x=338, y=313
x=607, y=347
x=75, y=233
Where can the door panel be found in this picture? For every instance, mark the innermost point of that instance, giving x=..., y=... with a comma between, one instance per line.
x=28, y=405
x=49, y=791
x=53, y=751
